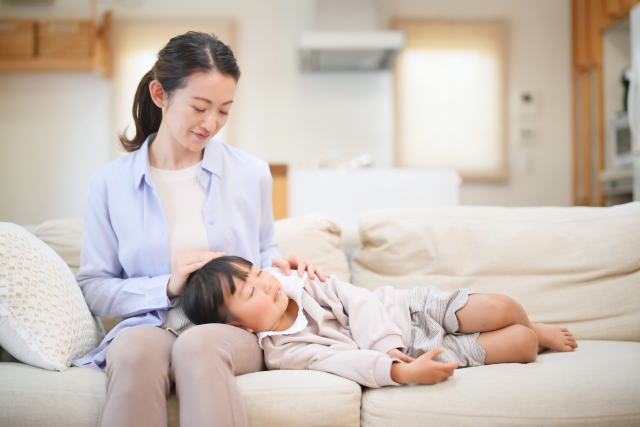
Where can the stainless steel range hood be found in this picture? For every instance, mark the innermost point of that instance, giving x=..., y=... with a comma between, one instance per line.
x=349, y=50
x=350, y=35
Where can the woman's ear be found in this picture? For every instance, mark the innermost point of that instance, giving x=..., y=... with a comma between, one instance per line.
x=157, y=93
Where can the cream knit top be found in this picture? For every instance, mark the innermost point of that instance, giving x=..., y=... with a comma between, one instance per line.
x=182, y=198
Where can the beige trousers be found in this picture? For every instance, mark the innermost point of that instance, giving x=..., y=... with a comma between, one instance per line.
x=144, y=361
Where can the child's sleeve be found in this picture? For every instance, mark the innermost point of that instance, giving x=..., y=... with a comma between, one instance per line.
x=360, y=311
x=366, y=367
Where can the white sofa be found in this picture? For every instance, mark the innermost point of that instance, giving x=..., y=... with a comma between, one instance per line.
x=577, y=267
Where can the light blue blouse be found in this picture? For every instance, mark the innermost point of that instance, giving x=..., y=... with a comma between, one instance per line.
x=125, y=261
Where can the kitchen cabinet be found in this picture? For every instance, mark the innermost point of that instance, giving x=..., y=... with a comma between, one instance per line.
x=57, y=46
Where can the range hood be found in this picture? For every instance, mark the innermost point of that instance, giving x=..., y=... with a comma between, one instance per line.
x=349, y=50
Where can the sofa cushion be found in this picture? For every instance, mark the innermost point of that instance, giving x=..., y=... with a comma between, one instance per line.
x=577, y=267
x=315, y=237
x=44, y=319
x=31, y=397
x=596, y=385
x=300, y=398
x=64, y=236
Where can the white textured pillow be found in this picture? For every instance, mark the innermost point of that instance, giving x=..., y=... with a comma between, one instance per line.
x=315, y=237
x=44, y=319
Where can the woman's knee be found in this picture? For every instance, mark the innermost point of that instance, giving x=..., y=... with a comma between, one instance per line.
x=525, y=344
x=140, y=347
x=215, y=344
x=209, y=339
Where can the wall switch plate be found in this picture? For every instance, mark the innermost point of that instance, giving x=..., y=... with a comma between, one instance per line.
x=527, y=103
x=527, y=136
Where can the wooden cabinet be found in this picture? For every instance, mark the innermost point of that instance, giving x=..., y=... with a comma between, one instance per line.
x=17, y=38
x=279, y=198
x=66, y=38
x=56, y=46
x=589, y=19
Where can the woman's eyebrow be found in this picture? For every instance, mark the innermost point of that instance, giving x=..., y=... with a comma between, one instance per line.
x=208, y=101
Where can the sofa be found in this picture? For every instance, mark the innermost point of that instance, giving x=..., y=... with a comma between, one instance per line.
x=576, y=267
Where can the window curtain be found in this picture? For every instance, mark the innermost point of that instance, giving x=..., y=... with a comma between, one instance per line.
x=450, y=83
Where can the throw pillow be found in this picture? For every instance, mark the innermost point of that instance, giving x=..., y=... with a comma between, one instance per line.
x=315, y=237
x=44, y=319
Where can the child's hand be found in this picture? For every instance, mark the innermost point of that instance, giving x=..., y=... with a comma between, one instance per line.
x=395, y=353
x=423, y=370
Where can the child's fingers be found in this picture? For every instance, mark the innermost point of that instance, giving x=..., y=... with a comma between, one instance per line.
x=433, y=353
x=406, y=358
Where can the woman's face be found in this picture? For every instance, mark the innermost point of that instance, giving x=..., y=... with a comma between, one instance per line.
x=197, y=112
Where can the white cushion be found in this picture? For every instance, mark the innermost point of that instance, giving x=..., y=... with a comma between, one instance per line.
x=64, y=236
x=577, y=267
x=45, y=319
x=316, y=238
x=300, y=398
x=31, y=397
x=597, y=385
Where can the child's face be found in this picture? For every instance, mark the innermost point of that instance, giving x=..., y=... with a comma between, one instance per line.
x=259, y=303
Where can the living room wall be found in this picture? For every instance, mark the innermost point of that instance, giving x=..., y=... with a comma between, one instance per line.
x=57, y=129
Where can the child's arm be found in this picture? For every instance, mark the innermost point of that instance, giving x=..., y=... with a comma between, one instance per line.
x=366, y=367
x=423, y=370
x=360, y=311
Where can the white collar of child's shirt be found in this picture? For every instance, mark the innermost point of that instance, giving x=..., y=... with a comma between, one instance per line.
x=293, y=286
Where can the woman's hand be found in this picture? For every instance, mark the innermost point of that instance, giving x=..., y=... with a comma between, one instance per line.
x=423, y=370
x=299, y=263
x=186, y=263
x=395, y=353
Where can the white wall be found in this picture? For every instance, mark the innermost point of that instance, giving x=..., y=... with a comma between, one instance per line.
x=284, y=116
x=53, y=136
x=539, y=60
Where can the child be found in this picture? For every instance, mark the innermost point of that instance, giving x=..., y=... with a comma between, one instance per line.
x=379, y=338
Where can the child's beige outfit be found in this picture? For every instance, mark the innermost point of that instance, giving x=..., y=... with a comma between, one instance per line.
x=347, y=330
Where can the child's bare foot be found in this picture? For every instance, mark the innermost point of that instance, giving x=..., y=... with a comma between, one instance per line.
x=554, y=338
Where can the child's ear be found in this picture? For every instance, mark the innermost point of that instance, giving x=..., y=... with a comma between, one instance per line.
x=241, y=327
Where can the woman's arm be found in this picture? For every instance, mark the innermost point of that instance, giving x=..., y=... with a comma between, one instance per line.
x=100, y=276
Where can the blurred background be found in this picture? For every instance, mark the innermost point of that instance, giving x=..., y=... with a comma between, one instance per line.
x=356, y=104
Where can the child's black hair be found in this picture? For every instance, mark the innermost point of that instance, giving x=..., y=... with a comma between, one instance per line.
x=202, y=297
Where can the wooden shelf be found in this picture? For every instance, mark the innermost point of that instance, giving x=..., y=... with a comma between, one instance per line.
x=99, y=61
x=43, y=64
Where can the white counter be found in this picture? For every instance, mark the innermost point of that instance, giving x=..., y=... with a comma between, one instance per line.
x=344, y=196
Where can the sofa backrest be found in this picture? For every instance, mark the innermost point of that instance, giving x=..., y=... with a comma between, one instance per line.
x=578, y=267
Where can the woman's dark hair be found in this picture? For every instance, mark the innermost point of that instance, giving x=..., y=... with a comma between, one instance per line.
x=203, y=295
x=184, y=55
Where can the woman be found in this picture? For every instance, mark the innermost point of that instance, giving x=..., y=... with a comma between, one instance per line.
x=179, y=200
